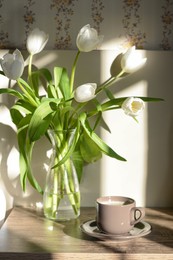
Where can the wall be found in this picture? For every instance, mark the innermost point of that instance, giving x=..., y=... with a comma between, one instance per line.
x=147, y=175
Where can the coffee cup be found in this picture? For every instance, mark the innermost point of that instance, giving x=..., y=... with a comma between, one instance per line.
x=117, y=214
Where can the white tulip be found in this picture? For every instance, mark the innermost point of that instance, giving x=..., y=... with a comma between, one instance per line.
x=36, y=41
x=13, y=64
x=133, y=106
x=85, y=92
x=88, y=39
x=132, y=60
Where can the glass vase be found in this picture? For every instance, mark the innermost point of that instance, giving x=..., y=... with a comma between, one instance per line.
x=61, y=199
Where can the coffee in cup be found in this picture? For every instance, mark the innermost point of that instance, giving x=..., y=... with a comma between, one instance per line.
x=117, y=214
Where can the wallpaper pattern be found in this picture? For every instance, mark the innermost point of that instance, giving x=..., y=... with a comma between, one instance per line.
x=146, y=23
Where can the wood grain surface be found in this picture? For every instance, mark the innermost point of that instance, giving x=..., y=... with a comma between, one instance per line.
x=26, y=234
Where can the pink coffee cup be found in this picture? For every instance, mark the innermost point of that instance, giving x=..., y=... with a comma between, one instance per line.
x=117, y=214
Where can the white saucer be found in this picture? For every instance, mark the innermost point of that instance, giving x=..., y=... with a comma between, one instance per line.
x=142, y=228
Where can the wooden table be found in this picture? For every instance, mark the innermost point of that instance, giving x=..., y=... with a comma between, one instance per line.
x=28, y=235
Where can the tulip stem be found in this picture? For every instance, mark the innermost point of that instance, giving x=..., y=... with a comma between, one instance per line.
x=30, y=65
x=73, y=71
x=30, y=70
x=109, y=82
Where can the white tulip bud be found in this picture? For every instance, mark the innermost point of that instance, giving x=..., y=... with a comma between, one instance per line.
x=88, y=39
x=13, y=64
x=85, y=92
x=36, y=41
x=132, y=60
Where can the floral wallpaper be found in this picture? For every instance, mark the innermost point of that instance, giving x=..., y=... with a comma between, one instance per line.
x=131, y=22
x=167, y=24
x=147, y=24
x=28, y=16
x=63, y=13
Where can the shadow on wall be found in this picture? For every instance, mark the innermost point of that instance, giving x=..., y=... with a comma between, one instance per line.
x=6, y=145
x=159, y=77
x=9, y=170
x=159, y=187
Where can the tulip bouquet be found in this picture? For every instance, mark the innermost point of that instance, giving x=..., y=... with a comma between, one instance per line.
x=63, y=106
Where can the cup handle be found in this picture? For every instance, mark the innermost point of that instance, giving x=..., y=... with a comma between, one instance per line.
x=138, y=213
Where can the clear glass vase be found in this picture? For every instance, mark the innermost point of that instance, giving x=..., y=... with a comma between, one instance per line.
x=61, y=200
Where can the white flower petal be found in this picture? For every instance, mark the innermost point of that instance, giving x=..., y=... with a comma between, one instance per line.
x=132, y=60
x=36, y=41
x=13, y=64
x=133, y=106
x=88, y=39
x=85, y=92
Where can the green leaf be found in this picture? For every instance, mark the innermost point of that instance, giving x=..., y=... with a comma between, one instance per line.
x=21, y=136
x=102, y=145
x=24, y=123
x=62, y=83
x=117, y=102
x=78, y=162
x=27, y=87
x=37, y=77
x=62, y=117
x=51, y=91
x=30, y=177
x=89, y=149
x=11, y=92
x=57, y=78
x=35, y=83
x=23, y=170
x=16, y=115
x=108, y=93
x=25, y=166
x=40, y=121
x=108, y=105
x=65, y=85
x=45, y=73
x=25, y=150
x=57, y=75
x=98, y=119
x=151, y=99
x=23, y=106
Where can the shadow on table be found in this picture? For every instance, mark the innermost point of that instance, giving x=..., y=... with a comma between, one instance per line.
x=26, y=256
x=101, y=246
x=161, y=235
x=29, y=250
